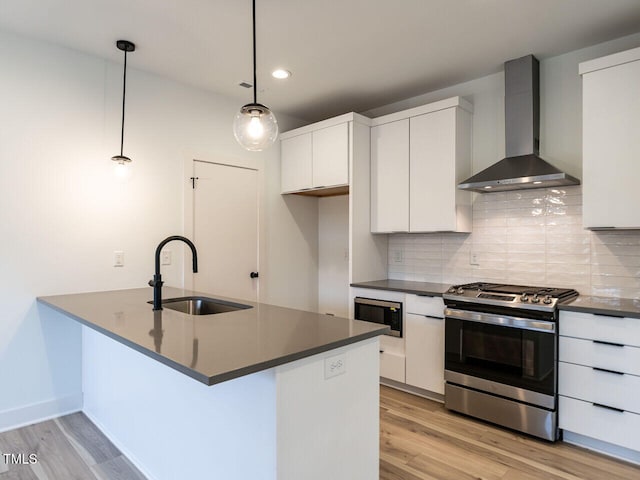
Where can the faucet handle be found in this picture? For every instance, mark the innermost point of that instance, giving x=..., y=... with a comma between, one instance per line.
x=152, y=283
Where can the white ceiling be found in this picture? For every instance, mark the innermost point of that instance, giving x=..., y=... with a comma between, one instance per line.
x=344, y=54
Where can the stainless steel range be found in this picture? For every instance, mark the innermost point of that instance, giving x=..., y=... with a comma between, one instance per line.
x=501, y=354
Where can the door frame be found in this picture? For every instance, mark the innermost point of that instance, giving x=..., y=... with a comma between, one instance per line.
x=188, y=217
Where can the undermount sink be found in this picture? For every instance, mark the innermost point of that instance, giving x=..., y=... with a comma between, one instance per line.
x=201, y=305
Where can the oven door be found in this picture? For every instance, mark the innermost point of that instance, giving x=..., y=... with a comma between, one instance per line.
x=508, y=356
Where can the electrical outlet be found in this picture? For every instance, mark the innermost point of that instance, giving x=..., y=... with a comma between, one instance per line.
x=398, y=256
x=334, y=366
x=166, y=257
x=118, y=258
x=473, y=258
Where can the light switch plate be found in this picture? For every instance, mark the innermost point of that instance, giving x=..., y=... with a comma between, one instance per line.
x=118, y=258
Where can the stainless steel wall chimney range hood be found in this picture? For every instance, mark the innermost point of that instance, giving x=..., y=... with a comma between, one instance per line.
x=522, y=168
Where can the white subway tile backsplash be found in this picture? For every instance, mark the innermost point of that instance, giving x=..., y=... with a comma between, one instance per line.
x=525, y=237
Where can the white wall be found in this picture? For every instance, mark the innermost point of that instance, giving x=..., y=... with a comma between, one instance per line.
x=63, y=212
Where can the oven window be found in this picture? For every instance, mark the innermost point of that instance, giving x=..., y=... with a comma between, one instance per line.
x=517, y=357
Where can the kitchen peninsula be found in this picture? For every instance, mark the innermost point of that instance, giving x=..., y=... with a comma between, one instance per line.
x=261, y=392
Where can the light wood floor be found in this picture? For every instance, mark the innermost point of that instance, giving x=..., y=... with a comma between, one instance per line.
x=420, y=439
x=67, y=448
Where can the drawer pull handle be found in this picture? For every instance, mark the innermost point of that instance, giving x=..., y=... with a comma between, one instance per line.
x=381, y=351
x=599, y=405
x=612, y=315
x=434, y=317
x=611, y=344
x=607, y=371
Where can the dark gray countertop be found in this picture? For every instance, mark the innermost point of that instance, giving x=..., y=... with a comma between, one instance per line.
x=211, y=348
x=417, y=288
x=625, y=307
x=622, y=307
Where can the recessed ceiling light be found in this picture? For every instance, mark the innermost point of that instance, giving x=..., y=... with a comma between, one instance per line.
x=281, y=74
x=537, y=182
x=487, y=187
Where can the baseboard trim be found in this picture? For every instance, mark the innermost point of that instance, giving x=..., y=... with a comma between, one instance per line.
x=123, y=449
x=40, y=412
x=436, y=397
x=599, y=446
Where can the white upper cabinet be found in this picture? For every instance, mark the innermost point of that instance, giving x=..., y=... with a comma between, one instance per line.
x=331, y=156
x=611, y=141
x=295, y=156
x=418, y=157
x=390, y=177
x=316, y=157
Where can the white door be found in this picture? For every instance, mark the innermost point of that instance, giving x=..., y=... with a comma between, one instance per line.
x=225, y=224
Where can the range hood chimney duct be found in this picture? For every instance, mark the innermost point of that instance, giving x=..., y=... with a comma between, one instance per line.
x=522, y=168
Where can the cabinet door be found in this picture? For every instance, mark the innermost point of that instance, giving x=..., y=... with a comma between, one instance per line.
x=432, y=162
x=424, y=337
x=390, y=177
x=295, y=163
x=331, y=156
x=610, y=139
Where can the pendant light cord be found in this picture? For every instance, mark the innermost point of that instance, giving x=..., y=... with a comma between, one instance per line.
x=255, y=86
x=124, y=92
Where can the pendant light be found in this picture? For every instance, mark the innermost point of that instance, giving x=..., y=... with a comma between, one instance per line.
x=122, y=160
x=255, y=126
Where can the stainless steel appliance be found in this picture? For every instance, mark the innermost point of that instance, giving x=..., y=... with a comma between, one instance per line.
x=380, y=311
x=522, y=168
x=501, y=354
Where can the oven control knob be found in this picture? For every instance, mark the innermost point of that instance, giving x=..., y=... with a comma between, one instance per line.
x=460, y=291
x=535, y=298
x=452, y=290
x=547, y=299
x=524, y=297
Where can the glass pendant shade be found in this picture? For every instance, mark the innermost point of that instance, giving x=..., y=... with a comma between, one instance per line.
x=255, y=127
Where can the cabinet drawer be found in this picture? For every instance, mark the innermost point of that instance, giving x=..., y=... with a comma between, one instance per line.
x=423, y=305
x=591, y=353
x=606, y=388
x=623, y=330
x=619, y=428
x=392, y=366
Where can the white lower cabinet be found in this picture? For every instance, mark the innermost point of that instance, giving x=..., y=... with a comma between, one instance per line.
x=424, y=341
x=589, y=419
x=392, y=358
x=599, y=377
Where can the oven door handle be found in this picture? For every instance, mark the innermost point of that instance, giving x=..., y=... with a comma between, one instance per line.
x=501, y=320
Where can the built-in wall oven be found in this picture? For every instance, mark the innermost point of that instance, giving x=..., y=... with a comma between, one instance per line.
x=380, y=311
x=501, y=354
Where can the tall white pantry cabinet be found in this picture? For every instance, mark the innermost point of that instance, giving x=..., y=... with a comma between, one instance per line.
x=611, y=141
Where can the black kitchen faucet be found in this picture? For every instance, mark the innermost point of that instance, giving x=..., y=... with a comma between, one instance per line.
x=157, y=282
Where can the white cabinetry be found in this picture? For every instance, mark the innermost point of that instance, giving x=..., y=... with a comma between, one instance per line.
x=418, y=157
x=390, y=177
x=610, y=140
x=599, y=381
x=424, y=337
x=296, y=164
x=316, y=156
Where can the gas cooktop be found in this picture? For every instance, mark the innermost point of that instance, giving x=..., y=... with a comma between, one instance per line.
x=516, y=296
